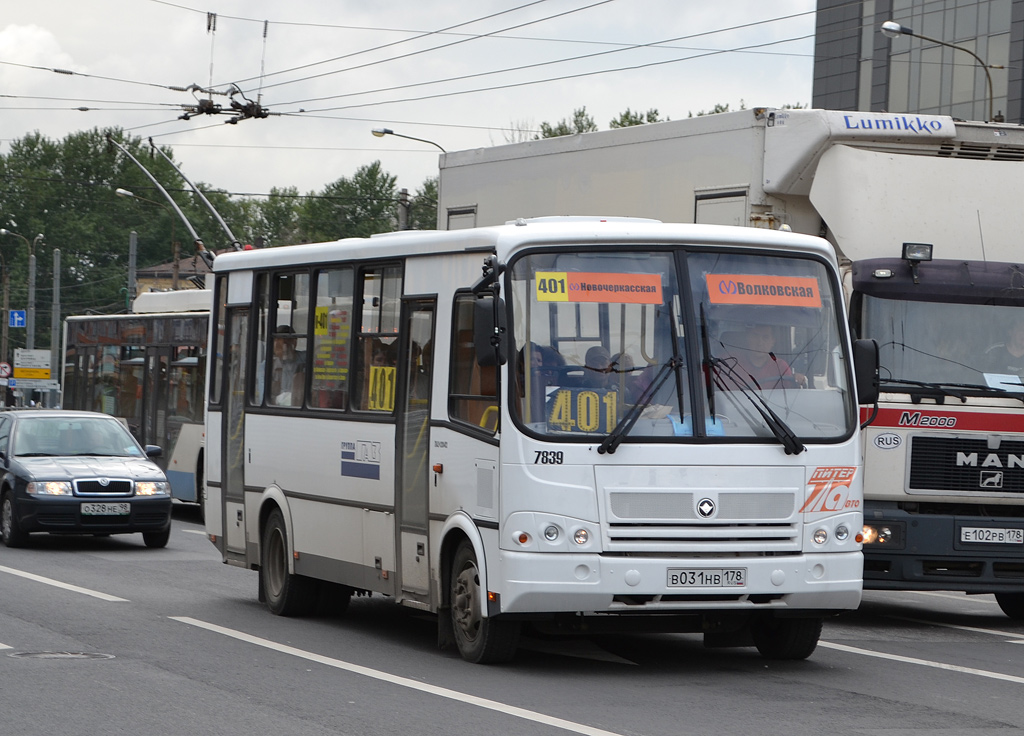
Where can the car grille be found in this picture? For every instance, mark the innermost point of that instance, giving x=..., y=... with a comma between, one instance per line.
x=965, y=464
x=93, y=487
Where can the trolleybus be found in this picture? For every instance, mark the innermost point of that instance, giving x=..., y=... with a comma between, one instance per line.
x=147, y=368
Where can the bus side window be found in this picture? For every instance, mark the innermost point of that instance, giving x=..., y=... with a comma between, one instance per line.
x=473, y=392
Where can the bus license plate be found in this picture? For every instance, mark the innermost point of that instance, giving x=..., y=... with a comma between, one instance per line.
x=106, y=509
x=990, y=535
x=687, y=577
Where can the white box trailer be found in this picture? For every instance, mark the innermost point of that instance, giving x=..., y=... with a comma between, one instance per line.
x=944, y=464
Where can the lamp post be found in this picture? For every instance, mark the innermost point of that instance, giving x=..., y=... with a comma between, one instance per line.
x=892, y=29
x=381, y=132
x=175, y=248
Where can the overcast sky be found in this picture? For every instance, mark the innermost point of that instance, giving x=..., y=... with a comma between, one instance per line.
x=463, y=75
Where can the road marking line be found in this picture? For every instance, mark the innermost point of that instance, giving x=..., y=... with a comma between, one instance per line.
x=443, y=692
x=194, y=531
x=4, y=646
x=65, y=586
x=975, y=629
x=922, y=662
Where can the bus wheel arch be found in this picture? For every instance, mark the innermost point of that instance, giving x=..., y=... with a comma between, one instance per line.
x=284, y=592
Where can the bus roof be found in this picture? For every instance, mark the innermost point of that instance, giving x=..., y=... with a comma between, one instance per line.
x=505, y=239
x=182, y=300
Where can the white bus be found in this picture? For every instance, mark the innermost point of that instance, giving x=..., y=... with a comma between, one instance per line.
x=547, y=423
x=147, y=368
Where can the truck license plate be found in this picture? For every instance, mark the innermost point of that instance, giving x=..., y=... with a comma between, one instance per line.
x=991, y=535
x=690, y=577
x=106, y=509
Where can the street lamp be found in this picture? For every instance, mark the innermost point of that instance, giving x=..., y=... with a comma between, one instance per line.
x=381, y=132
x=174, y=243
x=892, y=29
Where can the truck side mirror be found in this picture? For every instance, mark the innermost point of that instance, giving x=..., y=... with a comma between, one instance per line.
x=865, y=370
x=489, y=332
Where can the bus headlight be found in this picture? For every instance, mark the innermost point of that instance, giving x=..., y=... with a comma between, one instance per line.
x=49, y=488
x=842, y=532
x=152, y=488
x=820, y=536
x=551, y=533
x=581, y=536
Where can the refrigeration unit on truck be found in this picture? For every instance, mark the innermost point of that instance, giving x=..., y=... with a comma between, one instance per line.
x=925, y=213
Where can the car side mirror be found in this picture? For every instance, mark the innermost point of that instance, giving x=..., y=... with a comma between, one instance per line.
x=865, y=370
x=154, y=451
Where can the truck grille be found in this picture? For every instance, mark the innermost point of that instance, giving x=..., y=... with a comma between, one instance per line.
x=965, y=464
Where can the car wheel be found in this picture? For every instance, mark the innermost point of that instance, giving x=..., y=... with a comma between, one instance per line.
x=156, y=540
x=786, y=638
x=479, y=639
x=286, y=594
x=1012, y=604
x=9, y=528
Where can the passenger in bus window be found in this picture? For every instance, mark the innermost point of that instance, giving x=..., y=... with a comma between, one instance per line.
x=598, y=371
x=1008, y=357
x=287, y=376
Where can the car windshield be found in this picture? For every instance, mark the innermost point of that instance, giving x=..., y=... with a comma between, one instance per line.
x=60, y=436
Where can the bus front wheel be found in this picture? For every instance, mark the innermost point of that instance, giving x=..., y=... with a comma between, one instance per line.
x=786, y=638
x=480, y=640
x=286, y=594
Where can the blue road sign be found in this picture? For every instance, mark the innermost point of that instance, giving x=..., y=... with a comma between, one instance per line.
x=17, y=318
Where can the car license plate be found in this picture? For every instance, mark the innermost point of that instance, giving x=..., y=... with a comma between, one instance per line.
x=991, y=535
x=689, y=577
x=106, y=509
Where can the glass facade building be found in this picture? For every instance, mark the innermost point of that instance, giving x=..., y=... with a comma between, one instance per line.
x=856, y=67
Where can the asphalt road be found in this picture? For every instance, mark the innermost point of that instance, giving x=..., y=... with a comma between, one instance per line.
x=104, y=636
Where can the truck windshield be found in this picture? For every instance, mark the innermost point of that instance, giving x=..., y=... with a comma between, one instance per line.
x=926, y=346
x=601, y=336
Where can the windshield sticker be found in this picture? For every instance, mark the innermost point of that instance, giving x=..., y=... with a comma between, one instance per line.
x=767, y=291
x=609, y=288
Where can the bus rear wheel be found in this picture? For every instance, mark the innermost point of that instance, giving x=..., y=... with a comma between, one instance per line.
x=286, y=594
x=1012, y=604
x=786, y=638
x=480, y=640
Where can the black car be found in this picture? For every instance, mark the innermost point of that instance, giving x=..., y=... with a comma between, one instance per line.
x=78, y=472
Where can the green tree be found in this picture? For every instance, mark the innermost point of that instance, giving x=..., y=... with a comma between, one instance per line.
x=423, y=211
x=581, y=122
x=629, y=118
x=717, y=109
x=346, y=208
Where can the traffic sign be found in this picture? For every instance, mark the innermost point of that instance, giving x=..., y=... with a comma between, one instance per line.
x=16, y=318
x=5, y=370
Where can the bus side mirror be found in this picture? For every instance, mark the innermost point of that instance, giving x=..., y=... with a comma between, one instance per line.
x=489, y=332
x=865, y=370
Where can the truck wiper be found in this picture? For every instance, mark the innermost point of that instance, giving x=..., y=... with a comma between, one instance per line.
x=782, y=431
x=948, y=389
x=610, y=443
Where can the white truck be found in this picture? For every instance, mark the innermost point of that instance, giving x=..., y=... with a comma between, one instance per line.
x=926, y=214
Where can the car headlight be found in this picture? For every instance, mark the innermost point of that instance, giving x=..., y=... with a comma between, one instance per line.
x=152, y=488
x=49, y=488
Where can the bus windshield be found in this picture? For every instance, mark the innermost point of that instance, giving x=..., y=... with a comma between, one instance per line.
x=749, y=345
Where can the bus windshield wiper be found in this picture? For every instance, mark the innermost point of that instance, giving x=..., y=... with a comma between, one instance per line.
x=610, y=443
x=946, y=388
x=709, y=368
x=782, y=431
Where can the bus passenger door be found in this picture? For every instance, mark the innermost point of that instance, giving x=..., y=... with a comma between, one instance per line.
x=233, y=429
x=155, y=397
x=413, y=448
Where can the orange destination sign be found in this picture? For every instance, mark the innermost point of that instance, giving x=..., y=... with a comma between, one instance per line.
x=763, y=290
x=612, y=288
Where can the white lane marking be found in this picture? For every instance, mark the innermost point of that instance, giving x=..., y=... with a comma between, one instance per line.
x=65, y=586
x=4, y=646
x=443, y=692
x=992, y=632
x=193, y=531
x=922, y=662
